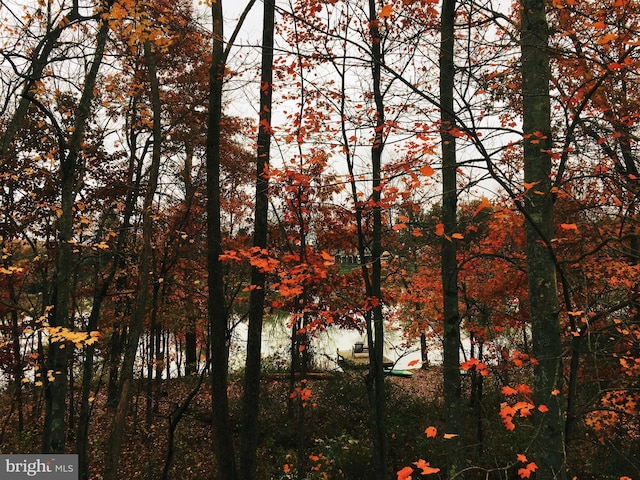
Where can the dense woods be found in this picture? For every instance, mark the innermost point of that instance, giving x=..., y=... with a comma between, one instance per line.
x=178, y=177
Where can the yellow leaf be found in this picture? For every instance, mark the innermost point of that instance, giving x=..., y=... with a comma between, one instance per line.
x=448, y=436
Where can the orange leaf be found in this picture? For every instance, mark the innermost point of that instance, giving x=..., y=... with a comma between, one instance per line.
x=522, y=472
x=405, y=473
x=458, y=236
x=524, y=388
x=569, y=226
x=440, y=229
x=326, y=256
x=555, y=392
x=484, y=203
x=507, y=390
x=522, y=458
x=606, y=38
x=508, y=424
x=427, y=171
x=424, y=466
x=543, y=408
x=412, y=363
x=431, y=432
x=386, y=11
x=399, y=226
x=448, y=436
x=529, y=186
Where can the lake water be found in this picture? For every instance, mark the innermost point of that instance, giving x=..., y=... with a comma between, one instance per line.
x=276, y=340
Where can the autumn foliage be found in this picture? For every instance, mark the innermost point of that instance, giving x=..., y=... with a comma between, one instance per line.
x=104, y=117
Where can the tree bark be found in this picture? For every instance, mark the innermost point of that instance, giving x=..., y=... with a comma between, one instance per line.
x=218, y=321
x=249, y=436
x=449, y=265
x=375, y=381
x=542, y=284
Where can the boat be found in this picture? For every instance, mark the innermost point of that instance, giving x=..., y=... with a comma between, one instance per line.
x=398, y=372
x=358, y=358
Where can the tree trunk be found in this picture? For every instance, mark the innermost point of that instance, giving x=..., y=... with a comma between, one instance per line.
x=144, y=278
x=543, y=294
x=217, y=309
x=54, y=434
x=451, y=343
x=375, y=382
x=251, y=399
x=222, y=434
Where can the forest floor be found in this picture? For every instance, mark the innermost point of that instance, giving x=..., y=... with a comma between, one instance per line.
x=333, y=428
x=335, y=424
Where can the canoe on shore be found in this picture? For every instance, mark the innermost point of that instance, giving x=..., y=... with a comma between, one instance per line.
x=352, y=360
x=399, y=373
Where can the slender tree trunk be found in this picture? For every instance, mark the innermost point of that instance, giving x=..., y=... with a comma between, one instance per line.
x=82, y=436
x=54, y=434
x=144, y=278
x=451, y=361
x=18, y=364
x=251, y=398
x=543, y=294
x=217, y=309
x=376, y=340
x=218, y=321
